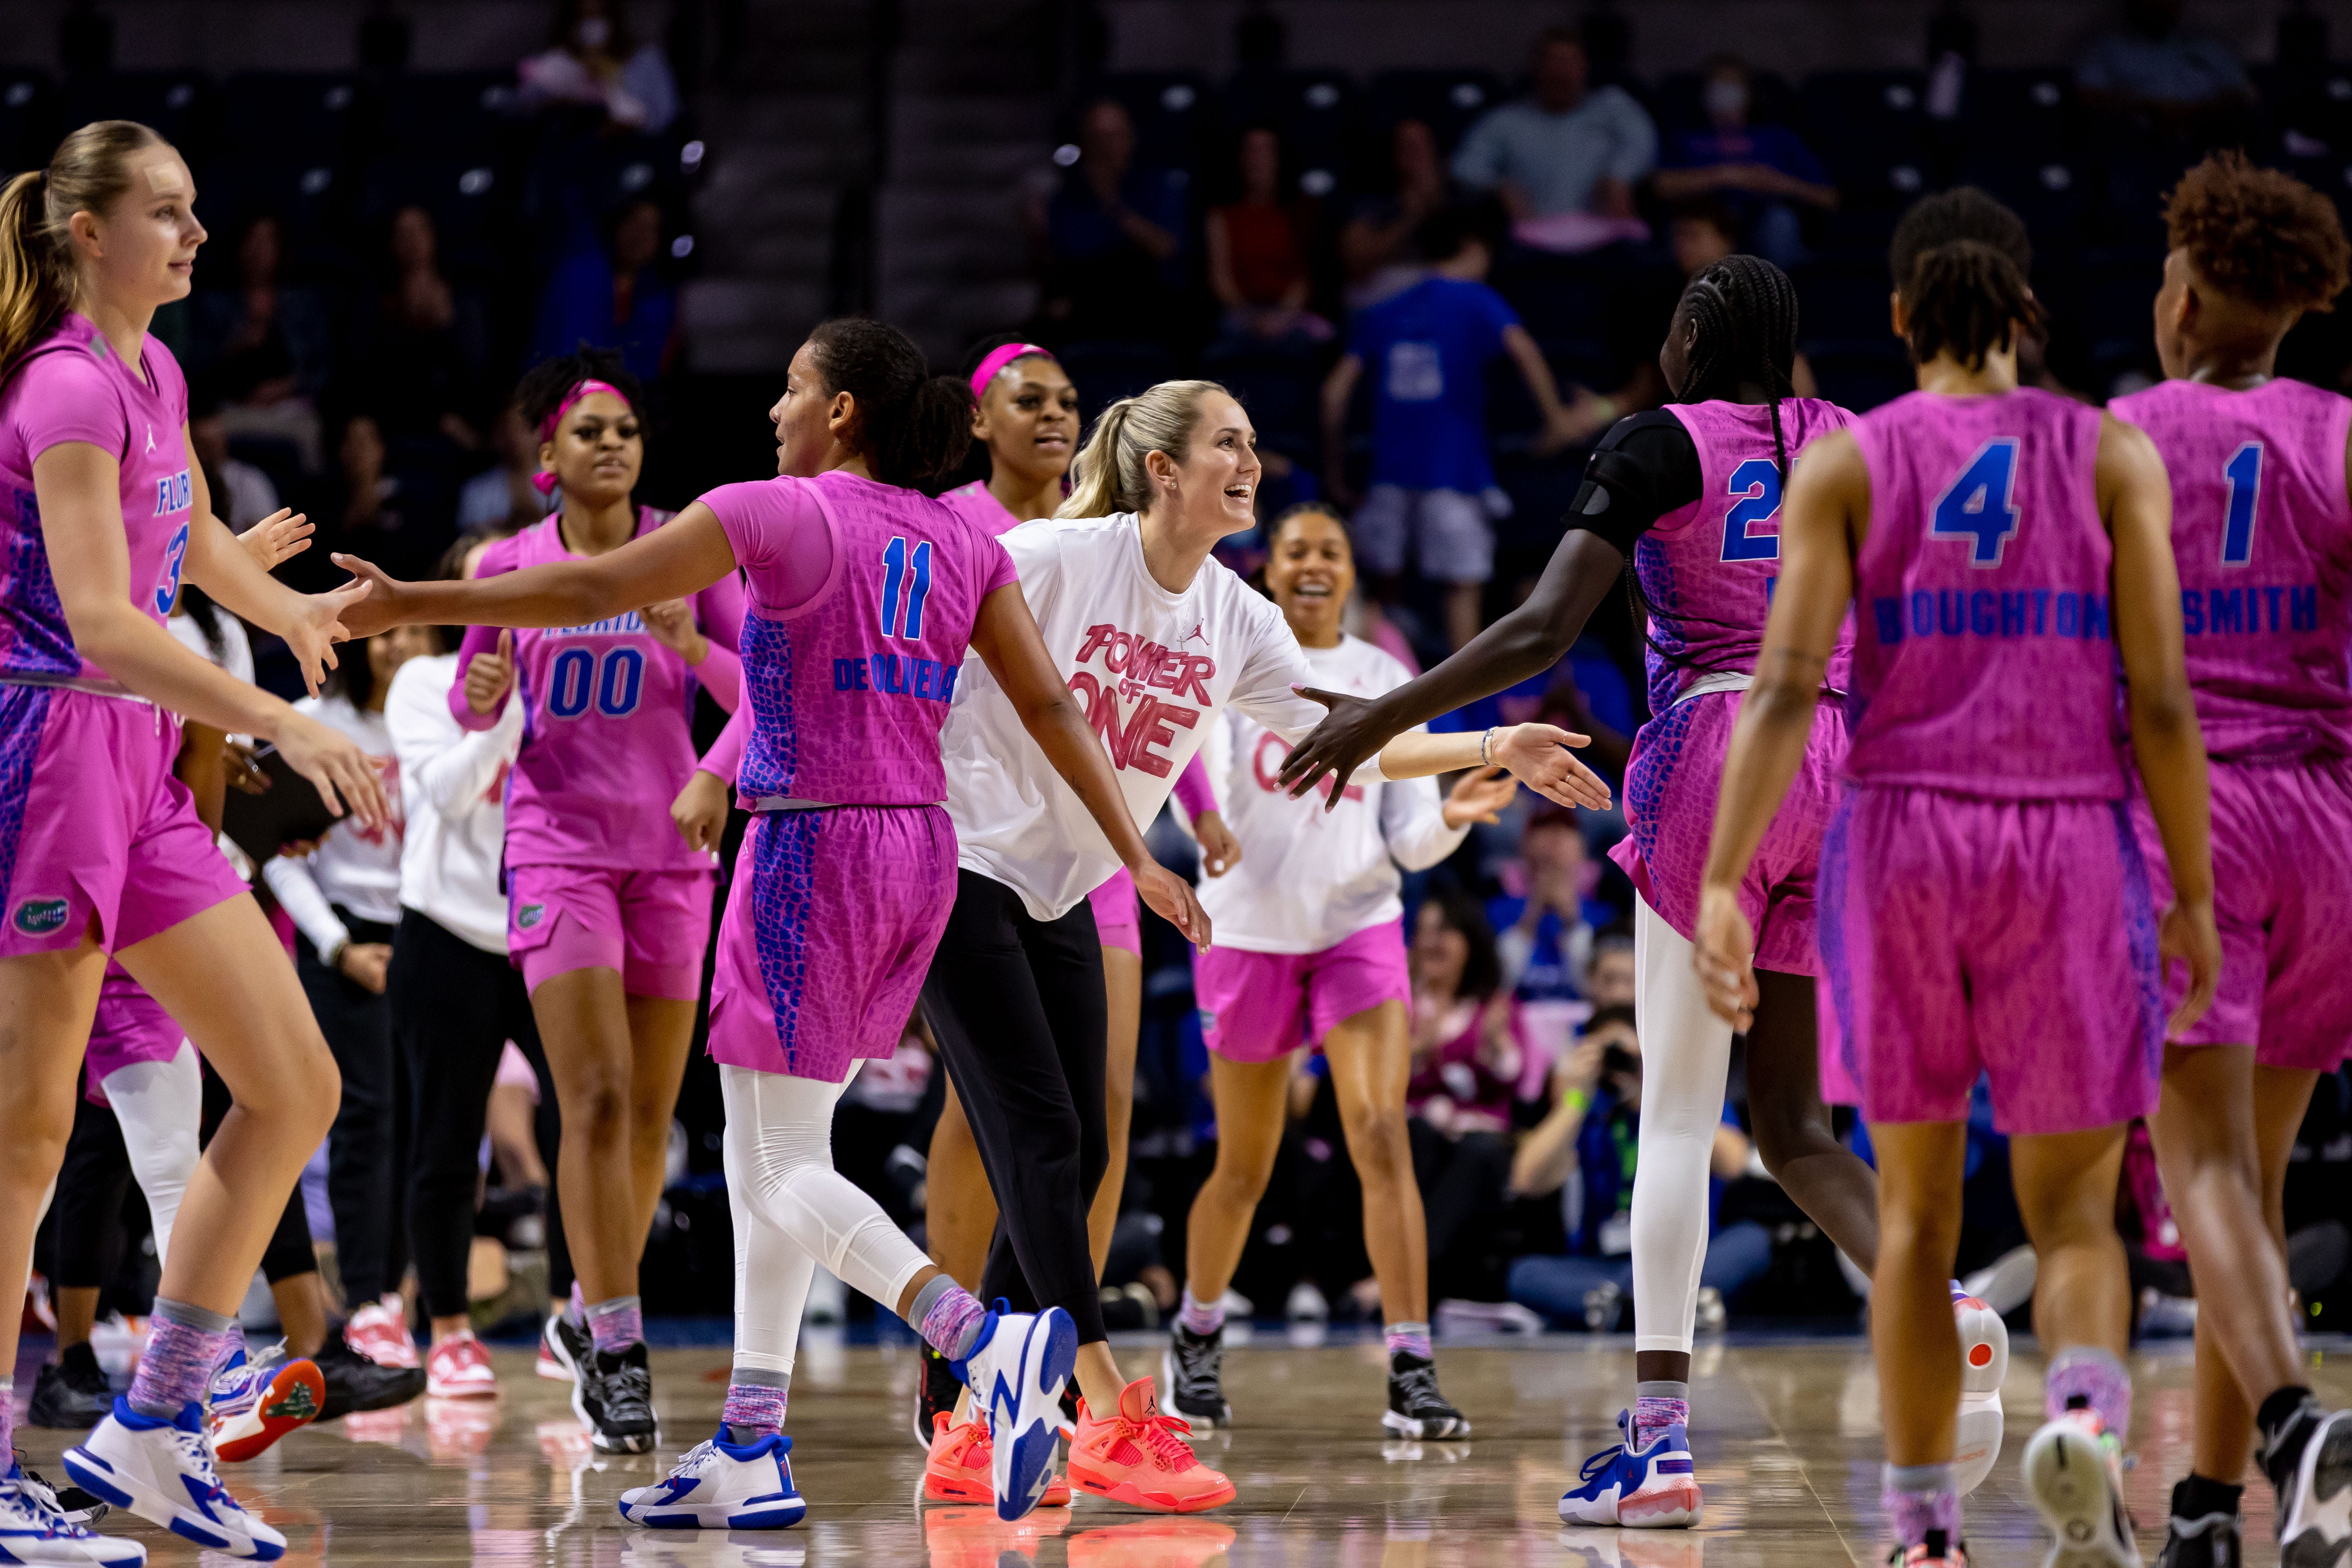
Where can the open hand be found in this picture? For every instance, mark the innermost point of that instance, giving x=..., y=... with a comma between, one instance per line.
x=1220, y=851
x=281, y=536
x=1537, y=755
x=490, y=676
x=319, y=622
x=1478, y=796
x=1348, y=736
x=1170, y=897
x=700, y=810
x=1725, y=957
x=346, y=776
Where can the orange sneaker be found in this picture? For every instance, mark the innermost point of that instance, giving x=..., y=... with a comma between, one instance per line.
x=1139, y=1457
x=957, y=1469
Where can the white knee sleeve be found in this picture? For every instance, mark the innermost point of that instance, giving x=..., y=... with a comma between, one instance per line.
x=780, y=1146
x=160, y=1106
x=1686, y=1057
x=772, y=1276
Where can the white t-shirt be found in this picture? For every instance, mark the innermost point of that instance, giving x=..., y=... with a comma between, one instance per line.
x=452, y=788
x=357, y=868
x=1152, y=670
x=1308, y=878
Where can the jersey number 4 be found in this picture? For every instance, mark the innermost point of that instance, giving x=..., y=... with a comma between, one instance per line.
x=1755, y=499
x=1980, y=506
x=913, y=576
x=2245, y=473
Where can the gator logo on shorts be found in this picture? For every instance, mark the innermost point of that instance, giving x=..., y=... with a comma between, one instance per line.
x=528, y=916
x=39, y=917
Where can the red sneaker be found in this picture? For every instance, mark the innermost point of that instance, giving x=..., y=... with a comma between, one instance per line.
x=957, y=1469
x=1139, y=1457
x=459, y=1368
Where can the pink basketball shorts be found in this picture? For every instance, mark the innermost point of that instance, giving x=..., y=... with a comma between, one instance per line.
x=2015, y=938
x=829, y=931
x=1670, y=792
x=131, y=1028
x=2282, y=899
x=649, y=926
x=1257, y=1007
x=1118, y=922
x=94, y=826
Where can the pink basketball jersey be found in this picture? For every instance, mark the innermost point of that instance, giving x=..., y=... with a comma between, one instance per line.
x=73, y=386
x=608, y=718
x=2262, y=530
x=848, y=690
x=1707, y=569
x=985, y=512
x=1983, y=661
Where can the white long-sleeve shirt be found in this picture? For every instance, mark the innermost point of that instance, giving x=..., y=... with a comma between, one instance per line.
x=453, y=786
x=1153, y=671
x=1308, y=878
x=357, y=868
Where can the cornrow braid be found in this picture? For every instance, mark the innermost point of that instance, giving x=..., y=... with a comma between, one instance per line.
x=1745, y=312
x=1966, y=298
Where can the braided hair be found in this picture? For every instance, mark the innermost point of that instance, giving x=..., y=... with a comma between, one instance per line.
x=1744, y=312
x=1967, y=299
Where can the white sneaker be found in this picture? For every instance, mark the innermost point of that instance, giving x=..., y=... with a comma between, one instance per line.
x=718, y=1485
x=1016, y=1373
x=1984, y=1363
x=459, y=1368
x=163, y=1471
x=32, y=1532
x=2318, y=1521
x=2074, y=1472
x=379, y=1332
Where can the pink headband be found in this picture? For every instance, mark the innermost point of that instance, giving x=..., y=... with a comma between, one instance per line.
x=999, y=358
x=544, y=482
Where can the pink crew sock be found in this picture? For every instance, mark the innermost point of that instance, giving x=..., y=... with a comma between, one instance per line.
x=1201, y=1320
x=2095, y=1377
x=1410, y=1338
x=948, y=1316
x=616, y=1324
x=184, y=1343
x=754, y=1410
x=1919, y=1498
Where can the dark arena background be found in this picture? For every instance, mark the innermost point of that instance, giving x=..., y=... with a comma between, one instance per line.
x=412, y=202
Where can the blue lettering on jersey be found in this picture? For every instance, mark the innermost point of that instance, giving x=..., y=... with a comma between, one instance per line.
x=1755, y=499
x=2273, y=608
x=1985, y=613
x=167, y=585
x=897, y=675
x=173, y=494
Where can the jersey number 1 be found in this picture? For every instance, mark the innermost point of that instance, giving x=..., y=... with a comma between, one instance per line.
x=1980, y=506
x=896, y=571
x=2245, y=473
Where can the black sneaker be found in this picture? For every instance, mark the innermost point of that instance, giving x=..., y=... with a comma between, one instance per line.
x=936, y=1389
x=2211, y=1541
x=1194, y=1367
x=564, y=1346
x=355, y=1383
x=615, y=1400
x=1416, y=1409
x=73, y=1394
x=73, y=1504
x=2312, y=1524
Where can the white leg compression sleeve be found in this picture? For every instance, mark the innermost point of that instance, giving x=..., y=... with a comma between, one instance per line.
x=779, y=1158
x=160, y=1106
x=1685, y=1059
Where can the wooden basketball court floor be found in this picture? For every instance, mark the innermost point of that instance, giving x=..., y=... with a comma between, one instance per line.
x=1786, y=1437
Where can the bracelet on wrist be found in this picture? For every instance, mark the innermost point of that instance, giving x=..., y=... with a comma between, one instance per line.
x=1486, y=746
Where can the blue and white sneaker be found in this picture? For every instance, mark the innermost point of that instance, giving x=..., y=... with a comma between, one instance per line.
x=720, y=1485
x=32, y=1531
x=1016, y=1372
x=1644, y=1488
x=163, y=1471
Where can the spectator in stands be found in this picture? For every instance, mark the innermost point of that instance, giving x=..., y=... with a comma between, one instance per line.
x=1547, y=923
x=1428, y=349
x=270, y=347
x=1111, y=236
x=505, y=493
x=424, y=350
x=1609, y=973
x=592, y=59
x=614, y=296
x=1592, y=1131
x=1467, y=1055
x=1569, y=147
x=2163, y=78
x=1257, y=247
x=1762, y=173
x=1377, y=254
x=242, y=494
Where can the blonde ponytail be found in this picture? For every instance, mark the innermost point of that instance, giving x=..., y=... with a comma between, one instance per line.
x=1108, y=475
x=89, y=173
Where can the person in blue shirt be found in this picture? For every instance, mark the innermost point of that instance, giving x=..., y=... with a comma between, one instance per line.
x=1427, y=350
x=614, y=296
x=1584, y=1149
x=1112, y=235
x=1761, y=174
x=1544, y=934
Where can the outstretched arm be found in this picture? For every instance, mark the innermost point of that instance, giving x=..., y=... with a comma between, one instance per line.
x=1828, y=505
x=2137, y=498
x=683, y=556
x=1007, y=641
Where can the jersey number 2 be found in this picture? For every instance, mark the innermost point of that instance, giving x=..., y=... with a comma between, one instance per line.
x=1980, y=506
x=2245, y=473
x=1754, y=497
x=915, y=577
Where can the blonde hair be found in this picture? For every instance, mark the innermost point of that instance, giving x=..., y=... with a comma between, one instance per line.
x=1108, y=475
x=89, y=173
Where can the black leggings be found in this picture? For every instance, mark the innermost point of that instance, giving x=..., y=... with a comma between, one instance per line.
x=364, y=1148
x=454, y=1008
x=92, y=1186
x=1016, y=1005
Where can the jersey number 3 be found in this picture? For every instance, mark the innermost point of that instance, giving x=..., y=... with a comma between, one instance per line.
x=914, y=575
x=1980, y=506
x=1754, y=497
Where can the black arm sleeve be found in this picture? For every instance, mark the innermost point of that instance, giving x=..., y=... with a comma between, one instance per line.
x=1646, y=467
